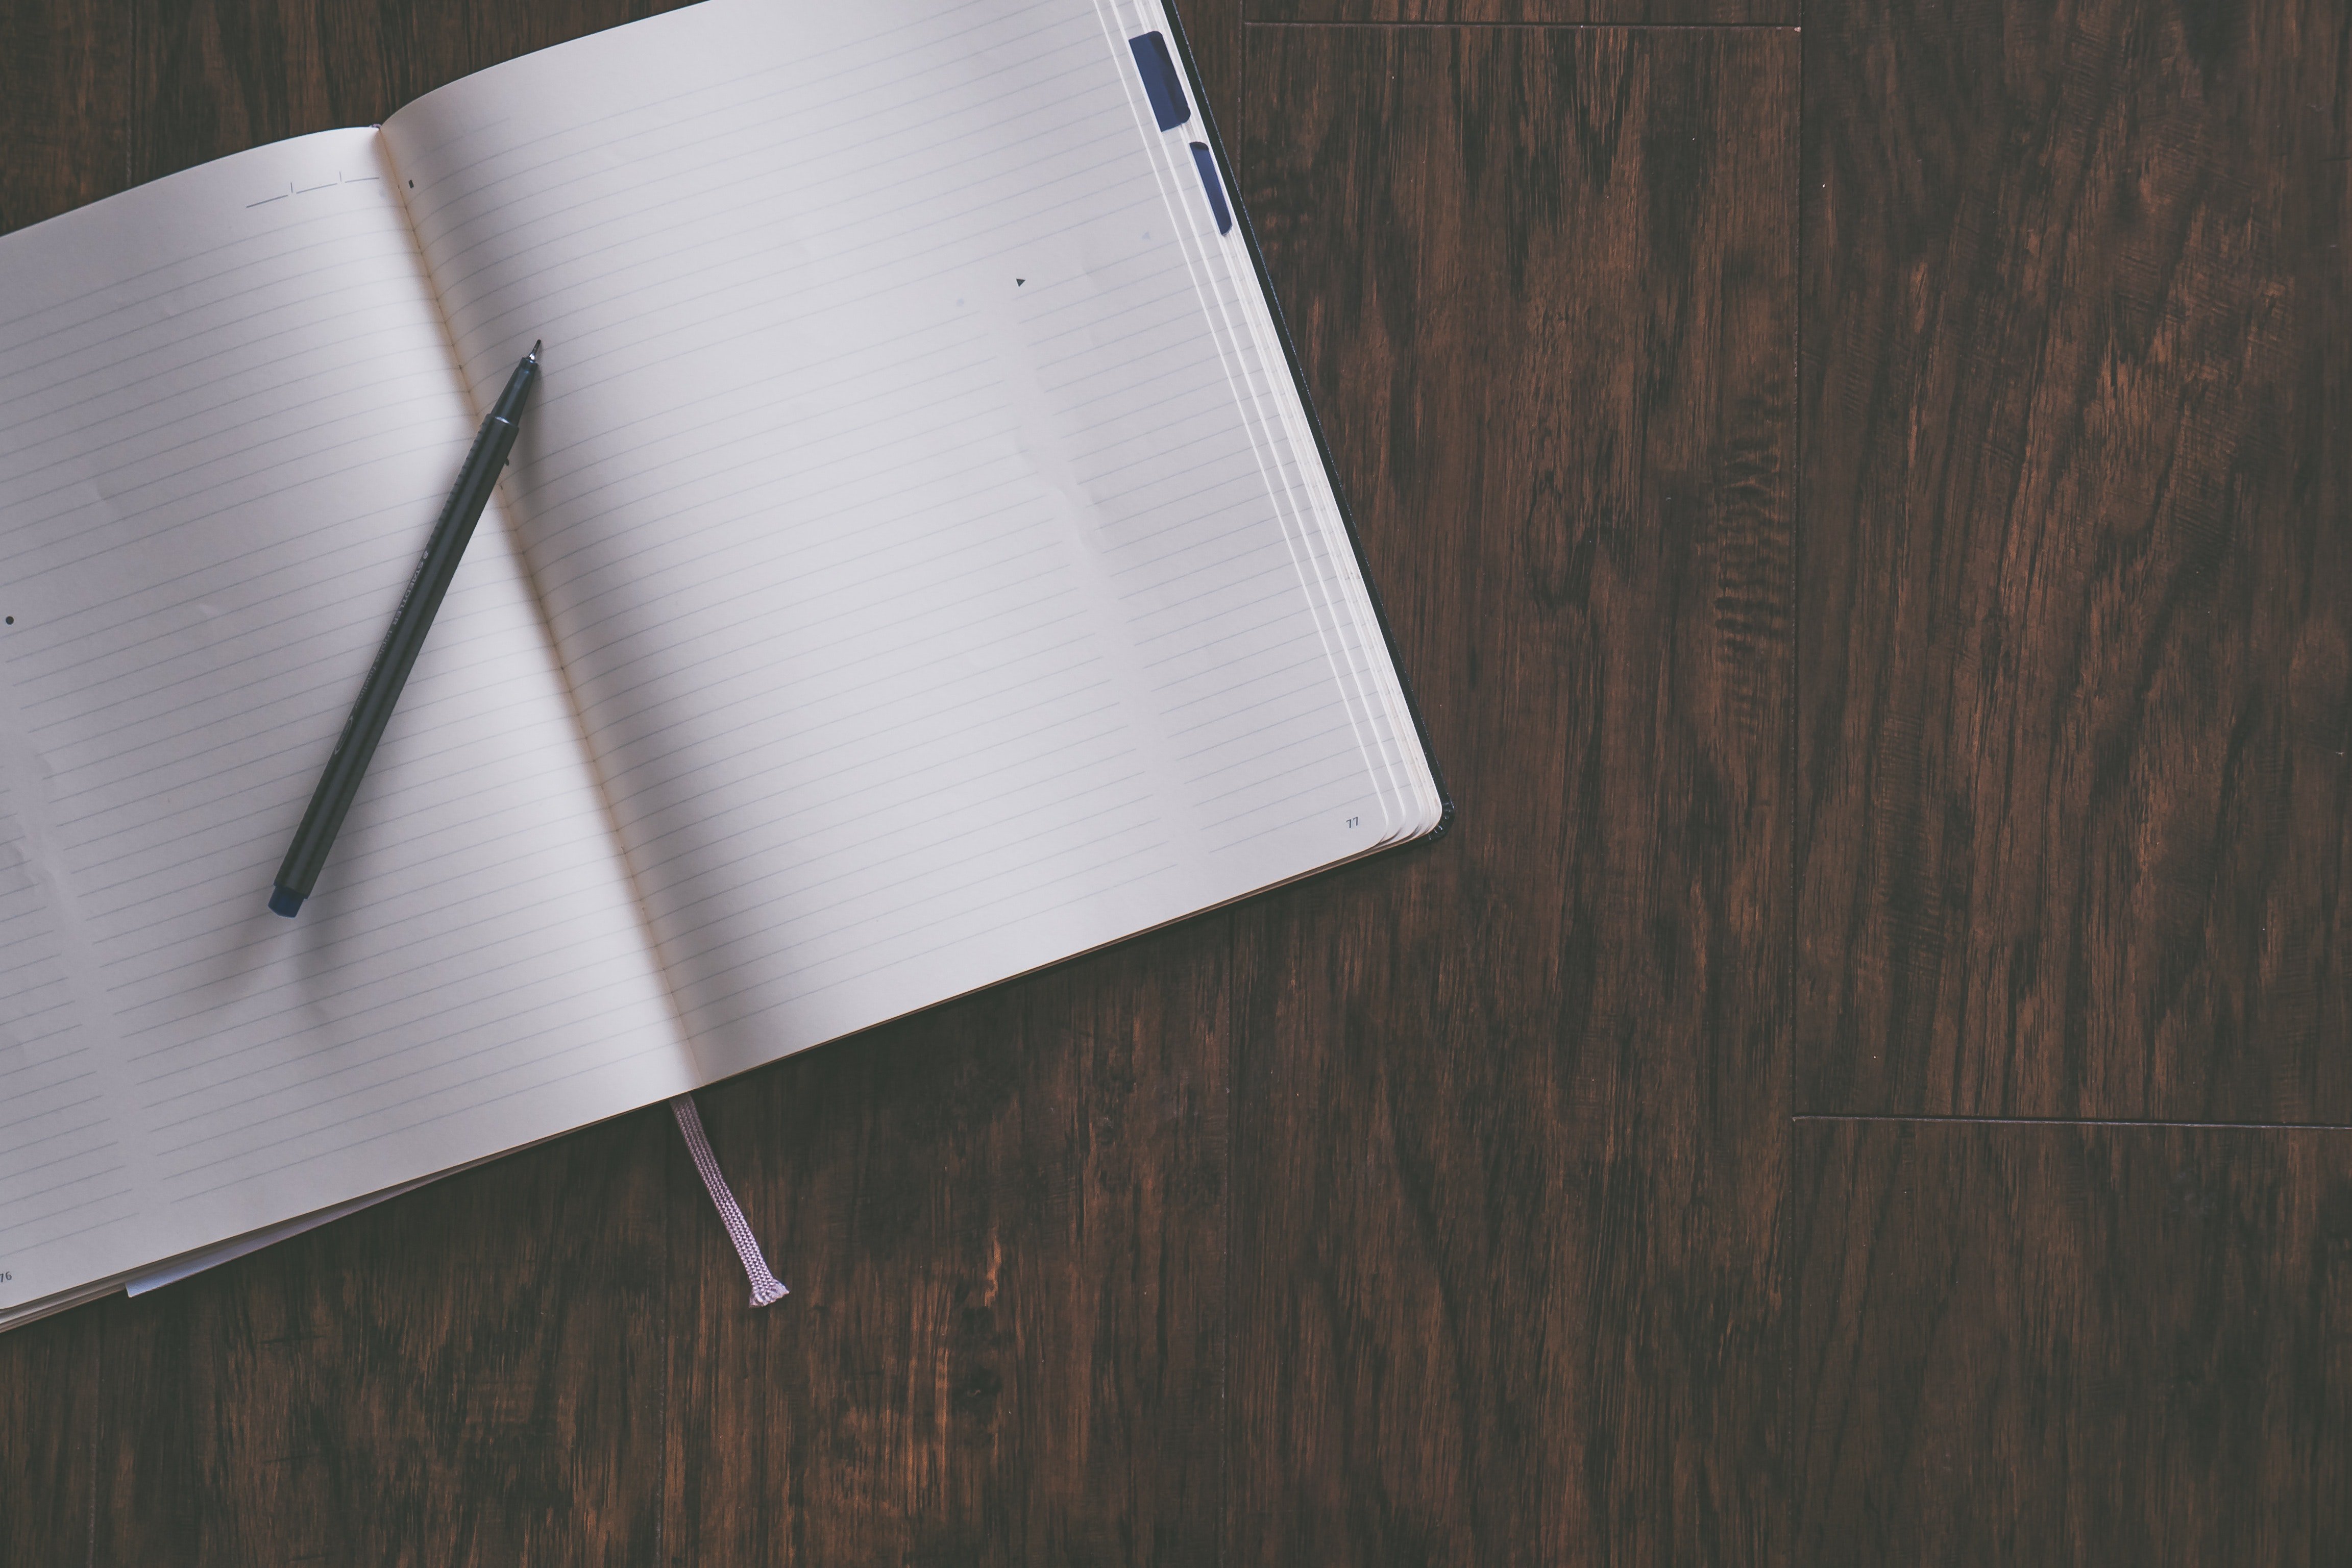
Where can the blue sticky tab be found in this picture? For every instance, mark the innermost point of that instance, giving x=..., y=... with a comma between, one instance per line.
x=1216, y=187
x=1160, y=83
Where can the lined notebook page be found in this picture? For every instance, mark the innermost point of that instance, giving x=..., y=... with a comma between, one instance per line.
x=228, y=419
x=1233, y=314
x=901, y=497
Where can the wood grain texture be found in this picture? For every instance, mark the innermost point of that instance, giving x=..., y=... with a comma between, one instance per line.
x=2076, y=666
x=1584, y=13
x=1510, y=1110
x=2065, y=1344
x=65, y=119
x=1433, y=1212
x=1004, y=1224
x=470, y=1375
x=49, y=1436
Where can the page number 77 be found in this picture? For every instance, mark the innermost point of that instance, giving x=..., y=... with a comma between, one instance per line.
x=1353, y=820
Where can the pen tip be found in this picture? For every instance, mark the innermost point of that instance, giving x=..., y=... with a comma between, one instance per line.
x=534, y=349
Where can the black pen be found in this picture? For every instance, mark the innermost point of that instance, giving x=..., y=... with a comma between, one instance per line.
x=348, y=765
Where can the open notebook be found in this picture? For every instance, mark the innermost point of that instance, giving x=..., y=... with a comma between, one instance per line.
x=919, y=565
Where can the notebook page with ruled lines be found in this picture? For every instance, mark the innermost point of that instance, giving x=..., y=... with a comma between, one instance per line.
x=228, y=419
x=925, y=518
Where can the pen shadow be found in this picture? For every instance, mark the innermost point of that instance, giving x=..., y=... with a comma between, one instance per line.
x=270, y=951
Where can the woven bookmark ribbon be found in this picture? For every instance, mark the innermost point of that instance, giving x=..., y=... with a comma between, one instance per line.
x=765, y=1287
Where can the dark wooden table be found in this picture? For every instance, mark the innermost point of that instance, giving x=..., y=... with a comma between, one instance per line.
x=1866, y=506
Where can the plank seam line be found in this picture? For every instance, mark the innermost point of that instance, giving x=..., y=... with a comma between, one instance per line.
x=1559, y=27
x=1786, y=1277
x=2088, y=1122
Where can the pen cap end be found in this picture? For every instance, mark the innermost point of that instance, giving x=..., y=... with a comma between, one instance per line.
x=284, y=901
